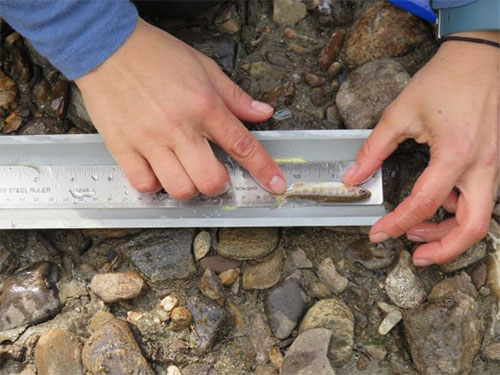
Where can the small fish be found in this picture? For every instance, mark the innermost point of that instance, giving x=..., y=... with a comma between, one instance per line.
x=323, y=192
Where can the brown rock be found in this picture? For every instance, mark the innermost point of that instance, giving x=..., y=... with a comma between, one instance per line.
x=264, y=274
x=247, y=243
x=180, y=318
x=318, y=96
x=59, y=98
x=227, y=278
x=12, y=122
x=113, y=287
x=334, y=70
x=296, y=48
x=58, y=352
x=210, y=286
x=219, y=264
x=228, y=21
x=314, y=80
x=332, y=49
x=8, y=92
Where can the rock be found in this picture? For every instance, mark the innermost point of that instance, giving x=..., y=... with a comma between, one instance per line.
x=59, y=98
x=276, y=357
x=392, y=318
x=265, y=370
x=228, y=21
x=22, y=66
x=201, y=244
x=211, y=287
x=222, y=49
x=383, y=31
x=332, y=49
x=458, y=283
x=117, y=286
x=219, y=264
x=168, y=303
x=300, y=259
x=492, y=351
x=227, y=278
x=280, y=95
x=78, y=114
x=473, y=255
x=402, y=284
x=296, y=48
x=277, y=57
x=247, y=243
x=211, y=322
x=180, y=318
x=197, y=369
x=285, y=305
x=43, y=125
x=374, y=256
x=309, y=354
x=58, y=352
x=253, y=12
x=264, y=274
x=444, y=335
x=362, y=98
x=318, y=97
x=261, y=338
x=333, y=12
x=494, y=264
x=314, y=80
x=288, y=12
x=479, y=275
x=8, y=262
x=334, y=315
x=334, y=70
x=163, y=254
x=30, y=296
x=8, y=92
x=112, y=349
x=377, y=352
x=12, y=122
x=333, y=117
x=329, y=275
x=173, y=370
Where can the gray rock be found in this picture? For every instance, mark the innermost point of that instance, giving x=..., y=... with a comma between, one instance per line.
x=211, y=287
x=247, y=243
x=112, y=348
x=30, y=296
x=374, y=256
x=197, y=369
x=473, y=255
x=458, y=283
x=222, y=49
x=444, y=335
x=264, y=274
x=288, y=12
x=377, y=352
x=261, y=338
x=285, y=305
x=116, y=286
x=334, y=315
x=392, y=318
x=211, y=322
x=402, y=285
x=309, y=354
x=479, y=275
x=492, y=351
x=330, y=276
x=228, y=21
x=300, y=259
x=362, y=98
x=58, y=352
x=201, y=244
x=162, y=255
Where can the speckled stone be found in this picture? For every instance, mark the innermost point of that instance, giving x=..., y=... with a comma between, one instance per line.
x=247, y=243
x=117, y=286
x=201, y=244
x=264, y=274
x=58, y=352
x=288, y=12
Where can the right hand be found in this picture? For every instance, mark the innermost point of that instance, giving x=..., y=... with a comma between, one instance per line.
x=156, y=102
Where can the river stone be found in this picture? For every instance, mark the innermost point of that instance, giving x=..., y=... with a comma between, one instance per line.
x=334, y=315
x=473, y=255
x=363, y=97
x=309, y=354
x=288, y=12
x=458, y=283
x=264, y=274
x=261, y=338
x=247, y=243
x=331, y=277
x=197, y=369
x=444, y=335
x=30, y=296
x=117, y=286
x=112, y=348
x=332, y=49
x=402, y=285
x=211, y=287
x=58, y=352
x=384, y=31
x=201, y=244
x=162, y=254
x=219, y=264
x=492, y=351
x=374, y=256
x=332, y=12
x=285, y=305
x=211, y=322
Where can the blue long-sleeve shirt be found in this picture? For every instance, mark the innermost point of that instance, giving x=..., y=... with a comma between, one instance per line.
x=78, y=35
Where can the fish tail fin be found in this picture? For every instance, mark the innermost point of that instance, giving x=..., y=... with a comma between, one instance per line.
x=279, y=201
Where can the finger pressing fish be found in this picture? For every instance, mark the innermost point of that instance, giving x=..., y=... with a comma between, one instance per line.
x=323, y=192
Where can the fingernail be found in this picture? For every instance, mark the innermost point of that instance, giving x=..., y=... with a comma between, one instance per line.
x=350, y=171
x=414, y=238
x=422, y=262
x=225, y=188
x=379, y=237
x=277, y=184
x=261, y=107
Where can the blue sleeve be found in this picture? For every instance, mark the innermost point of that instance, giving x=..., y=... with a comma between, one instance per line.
x=423, y=9
x=75, y=35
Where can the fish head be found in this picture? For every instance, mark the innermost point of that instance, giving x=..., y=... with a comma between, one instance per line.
x=364, y=193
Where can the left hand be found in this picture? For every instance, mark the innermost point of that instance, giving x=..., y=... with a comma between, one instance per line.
x=452, y=104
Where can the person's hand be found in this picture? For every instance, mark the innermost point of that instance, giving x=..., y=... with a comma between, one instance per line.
x=452, y=104
x=156, y=102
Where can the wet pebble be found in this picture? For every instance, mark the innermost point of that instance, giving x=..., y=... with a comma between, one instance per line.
x=374, y=256
x=327, y=272
x=265, y=370
x=168, y=303
x=198, y=369
x=263, y=274
x=332, y=12
x=211, y=322
x=334, y=315
x=117, y=286
x=362, y=98
x=23, y=68
x=59, y=98
x=147, y=252
x=173, y=370
x=492, y=351
x=458, y=283
x=201, y=244
x=318, y=96
x=261, y=338
x=58, y=352
x=392, y=318
x=228, y=21
x=219, y=264
x=334, y=70
x=288, y=12
x=276, y=357
x=277, y=57
x=332, y=49
x=227, y=278
x=300, y=259
x=8, y=92
x=377, y=352
x=314, y=80
x=402, y=285
x=280, y=95
x=211, y=287
x=297, y=48
x=285, y=305
x=282, y=114
x=479, y=275
x=247, y=243
x=473, y=255
x=309, y=354
x=382, y=31
x=180, y=318
x=30, y=296
x=43, y=125
x=333, y=117
x=112, y=349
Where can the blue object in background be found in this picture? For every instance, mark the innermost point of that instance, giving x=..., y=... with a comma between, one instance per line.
x=420, y=8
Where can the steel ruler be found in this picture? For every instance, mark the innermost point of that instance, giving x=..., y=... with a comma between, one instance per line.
x=71, y=181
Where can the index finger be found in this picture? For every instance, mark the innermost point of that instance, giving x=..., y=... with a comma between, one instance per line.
x=230, y=134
